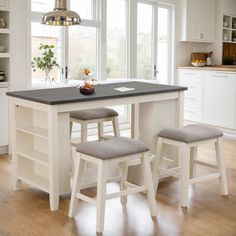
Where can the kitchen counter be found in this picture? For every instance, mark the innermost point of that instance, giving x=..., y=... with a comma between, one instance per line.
x=102, y=91
x=211, y=68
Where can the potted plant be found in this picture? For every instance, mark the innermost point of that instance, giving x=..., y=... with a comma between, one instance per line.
x=46, y=61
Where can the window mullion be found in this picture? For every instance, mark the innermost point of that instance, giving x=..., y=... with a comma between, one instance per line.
x=154, y=39
x=131, y=38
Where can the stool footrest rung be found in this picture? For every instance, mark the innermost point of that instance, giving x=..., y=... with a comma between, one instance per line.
x=205, y=164
x=86, y=198
x=94, y=184
x=126, y=192
x=172, y=171
x=204, y=178
x=131, y=185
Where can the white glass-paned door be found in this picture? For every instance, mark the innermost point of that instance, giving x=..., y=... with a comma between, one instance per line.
x=82, y=48
x=154, y=48
x=164, y=58
x=41, y=34
x=116, y=39
x=144, y=41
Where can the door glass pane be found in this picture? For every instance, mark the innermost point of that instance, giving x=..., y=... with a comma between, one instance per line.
x=163, y=56
x=144, y=41
x=82, y=50
x=83, y=7
x=116, y=39
x=46, y=35
x=42, y=5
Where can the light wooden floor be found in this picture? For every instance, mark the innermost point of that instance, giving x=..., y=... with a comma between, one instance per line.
x=26, y=212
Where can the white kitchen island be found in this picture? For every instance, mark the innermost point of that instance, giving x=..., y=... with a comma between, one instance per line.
x=40, y=127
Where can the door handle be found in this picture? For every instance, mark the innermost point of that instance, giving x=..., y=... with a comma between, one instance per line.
x=66, y=70
x=155, y=71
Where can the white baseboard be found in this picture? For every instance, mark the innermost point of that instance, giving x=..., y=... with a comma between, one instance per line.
x=3, y=150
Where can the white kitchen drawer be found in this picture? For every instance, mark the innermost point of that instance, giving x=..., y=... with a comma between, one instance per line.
x=192, y=103
x=220, y=75
x=192, y=115
x=191, y=80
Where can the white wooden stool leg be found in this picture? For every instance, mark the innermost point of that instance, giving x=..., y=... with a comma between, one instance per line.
x=221, y=166
x=84, y=132
x=184, y=178
x=157, y=162
x=100, y=131
x=147, y=172
x=193, y=157
x=123, y=171
x=101, y=195
x=77, y=181
x=116, y=128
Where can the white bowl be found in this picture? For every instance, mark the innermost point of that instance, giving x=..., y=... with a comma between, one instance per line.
x=2, y=49
x=198, y=64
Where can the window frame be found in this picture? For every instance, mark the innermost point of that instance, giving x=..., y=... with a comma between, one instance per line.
x=64, y=34
x=99, y=21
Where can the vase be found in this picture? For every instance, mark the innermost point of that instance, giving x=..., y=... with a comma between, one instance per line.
x=48, y=77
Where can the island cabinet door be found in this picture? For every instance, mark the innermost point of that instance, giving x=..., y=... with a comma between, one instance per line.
x=219, y=99
x=3, y=117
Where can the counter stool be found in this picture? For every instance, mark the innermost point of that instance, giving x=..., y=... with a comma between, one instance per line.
x=97, y=115
x=187, y=139
x=90, y=116
x=114, y=151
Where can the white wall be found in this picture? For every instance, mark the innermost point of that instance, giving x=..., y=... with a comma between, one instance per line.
x=18, y=44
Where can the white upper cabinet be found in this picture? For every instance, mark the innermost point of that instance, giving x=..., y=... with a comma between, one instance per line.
x=197, y=20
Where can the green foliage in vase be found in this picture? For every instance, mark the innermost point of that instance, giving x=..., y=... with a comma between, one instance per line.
x=47, y=61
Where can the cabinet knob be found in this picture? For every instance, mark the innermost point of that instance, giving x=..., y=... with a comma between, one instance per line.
x=201, y=36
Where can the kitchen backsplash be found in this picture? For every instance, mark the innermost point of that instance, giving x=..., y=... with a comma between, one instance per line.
x=184, y=50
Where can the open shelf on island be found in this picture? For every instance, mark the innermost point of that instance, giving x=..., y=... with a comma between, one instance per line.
x=34, y=155
x=33, y=130
x=32, y=173
x=33, y=122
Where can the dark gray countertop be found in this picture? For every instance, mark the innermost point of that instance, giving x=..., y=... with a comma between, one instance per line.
x=103, y=91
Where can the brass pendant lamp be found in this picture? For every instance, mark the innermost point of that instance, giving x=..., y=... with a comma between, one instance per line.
x=60, y=16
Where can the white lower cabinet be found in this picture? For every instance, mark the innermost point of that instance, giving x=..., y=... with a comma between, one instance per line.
x=219, y=99
x=3, y=117
x=211, y=97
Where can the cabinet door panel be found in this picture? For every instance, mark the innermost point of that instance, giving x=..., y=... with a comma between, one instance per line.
x=198, y=20
x=3, y=117
x=208, y=20
x=219, y=100
x=193, y=19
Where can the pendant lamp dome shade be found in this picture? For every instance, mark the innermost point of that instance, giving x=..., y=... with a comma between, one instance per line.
x=60, y=16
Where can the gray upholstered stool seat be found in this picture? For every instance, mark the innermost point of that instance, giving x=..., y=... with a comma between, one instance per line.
x=92, y=114
x=113, y=148
x=191, y=133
